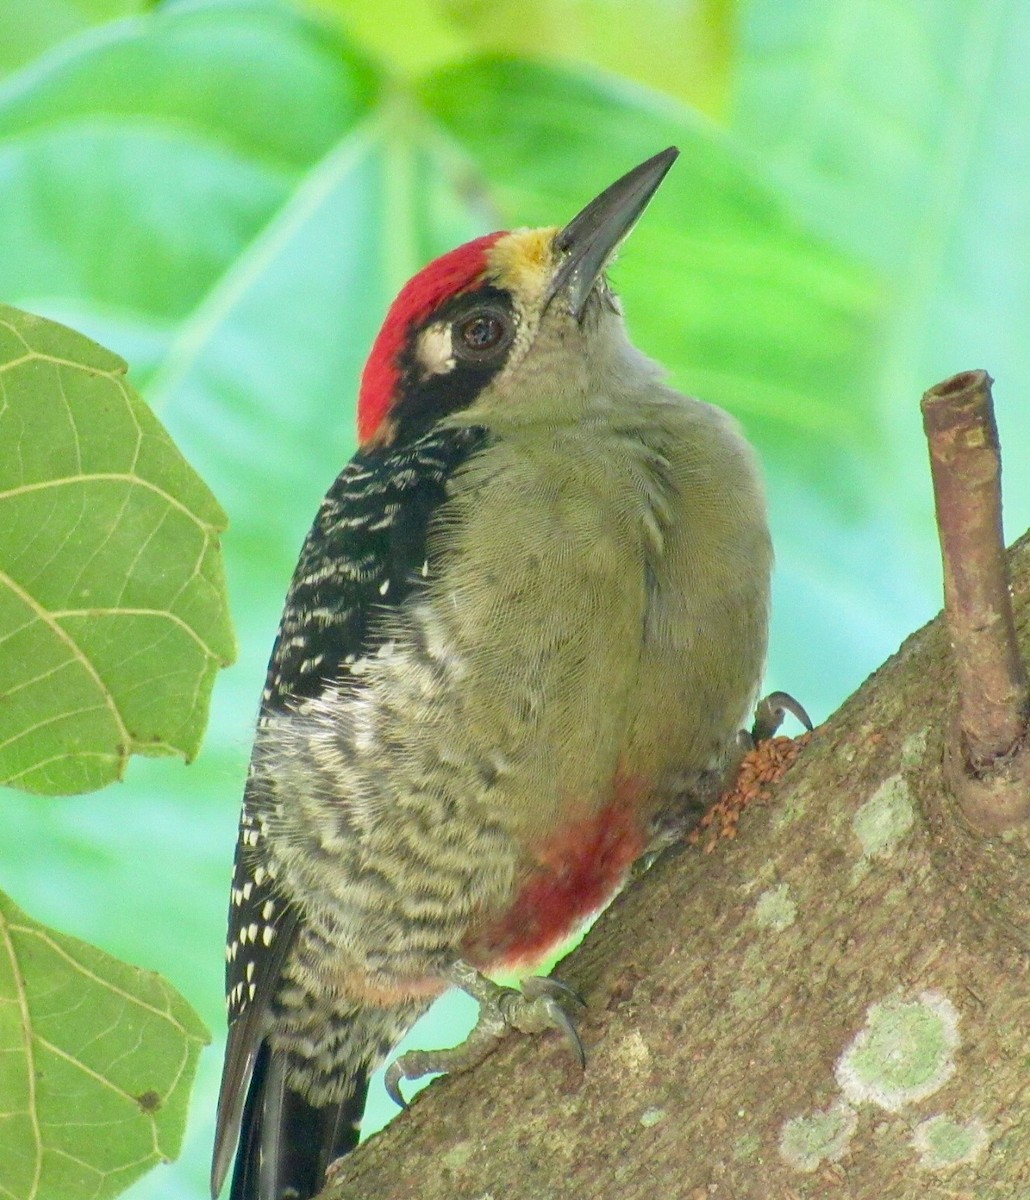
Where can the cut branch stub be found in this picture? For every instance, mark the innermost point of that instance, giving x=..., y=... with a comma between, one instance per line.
x=989, y=756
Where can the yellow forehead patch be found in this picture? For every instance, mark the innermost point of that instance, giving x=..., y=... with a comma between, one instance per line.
x=523, y=261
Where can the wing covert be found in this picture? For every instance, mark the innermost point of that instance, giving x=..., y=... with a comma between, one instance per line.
x=365, y=554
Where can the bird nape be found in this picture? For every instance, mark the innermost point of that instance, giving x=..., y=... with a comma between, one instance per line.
x=525, y=628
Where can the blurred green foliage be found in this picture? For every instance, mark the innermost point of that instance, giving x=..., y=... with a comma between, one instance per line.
x=229, y=193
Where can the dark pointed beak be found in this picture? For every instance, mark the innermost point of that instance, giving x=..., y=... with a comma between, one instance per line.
x=591, y=238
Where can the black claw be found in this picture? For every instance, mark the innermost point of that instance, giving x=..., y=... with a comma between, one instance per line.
x=392, y=1083
x=563, y=1023
x=547, y=985
x=770, y=713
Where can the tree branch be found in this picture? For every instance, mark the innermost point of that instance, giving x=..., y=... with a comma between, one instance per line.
x=989, y=766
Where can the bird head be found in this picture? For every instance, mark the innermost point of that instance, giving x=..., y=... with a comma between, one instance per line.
x=512, y=327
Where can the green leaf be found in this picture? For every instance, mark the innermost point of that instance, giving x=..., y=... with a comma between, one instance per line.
x=901, y=133
x=141, y=158
x=113, y=615
x=29, y=29
x=209, y=69
x=97, y=1059
x=683, y=49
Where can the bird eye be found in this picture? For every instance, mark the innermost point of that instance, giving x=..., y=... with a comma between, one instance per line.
x=483, y=335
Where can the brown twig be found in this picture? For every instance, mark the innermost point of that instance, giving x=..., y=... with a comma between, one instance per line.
x=989, y=764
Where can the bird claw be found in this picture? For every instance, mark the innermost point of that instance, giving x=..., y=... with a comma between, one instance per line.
x=395, y=1073
x=539, y=1006
x=546, y=985
x=770, y=713
x=552, y=1016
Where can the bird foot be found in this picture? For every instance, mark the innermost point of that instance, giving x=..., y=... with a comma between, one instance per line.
x=542, y=1004
x=770, y=712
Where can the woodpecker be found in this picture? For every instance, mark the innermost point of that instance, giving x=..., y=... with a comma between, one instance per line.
x=525, y=628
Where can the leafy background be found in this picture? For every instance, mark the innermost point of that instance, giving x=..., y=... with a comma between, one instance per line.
x=227, y=194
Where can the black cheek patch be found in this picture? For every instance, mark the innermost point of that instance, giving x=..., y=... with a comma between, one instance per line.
x=424, y=399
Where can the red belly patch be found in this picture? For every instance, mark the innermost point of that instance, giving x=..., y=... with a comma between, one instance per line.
x=579, y=871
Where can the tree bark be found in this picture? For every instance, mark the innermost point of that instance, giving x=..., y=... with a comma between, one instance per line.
x=835, y=1003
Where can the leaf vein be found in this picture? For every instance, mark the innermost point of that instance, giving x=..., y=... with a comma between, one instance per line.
x=30, y=1060
x=70, y=642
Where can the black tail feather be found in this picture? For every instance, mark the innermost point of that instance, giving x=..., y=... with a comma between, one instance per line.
x=286, y=1143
